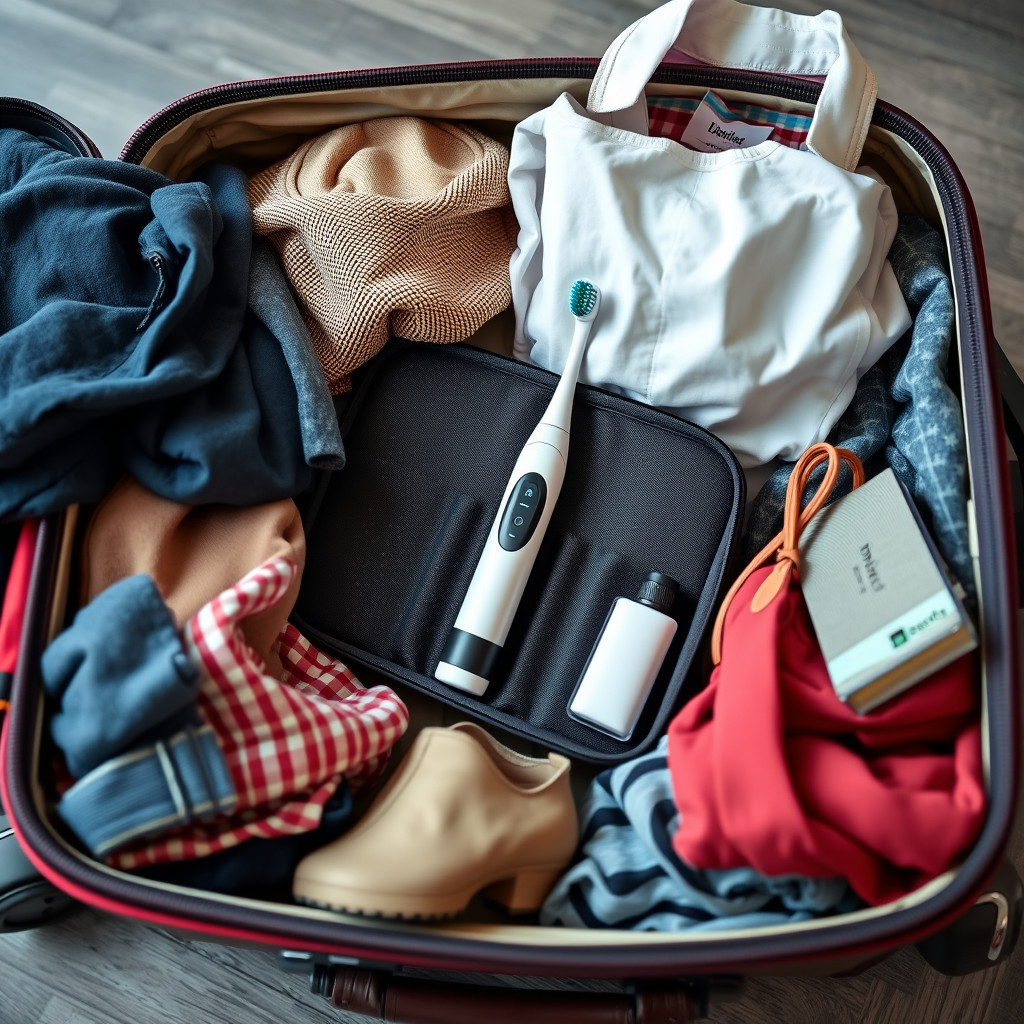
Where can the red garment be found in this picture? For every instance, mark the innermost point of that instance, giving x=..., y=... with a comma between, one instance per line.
x=15, y=598
x=772, y=770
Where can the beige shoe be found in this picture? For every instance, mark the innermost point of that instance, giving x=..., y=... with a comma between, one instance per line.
x=461, y=814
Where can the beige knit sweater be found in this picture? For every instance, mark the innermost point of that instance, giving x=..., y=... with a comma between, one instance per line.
x=395, y=226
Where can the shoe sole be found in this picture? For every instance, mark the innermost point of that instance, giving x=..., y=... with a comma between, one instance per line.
x=374, y=914
x=520, y=894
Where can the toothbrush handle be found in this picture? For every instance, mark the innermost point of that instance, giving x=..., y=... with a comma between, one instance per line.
x=499, y=580
x=490, y=604
x=501, y=574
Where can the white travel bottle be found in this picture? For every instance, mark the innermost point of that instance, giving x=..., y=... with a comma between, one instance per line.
x=626, y=658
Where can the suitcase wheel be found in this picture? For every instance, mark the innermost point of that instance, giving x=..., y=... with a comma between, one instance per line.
x=985, y=935
x=27, y=900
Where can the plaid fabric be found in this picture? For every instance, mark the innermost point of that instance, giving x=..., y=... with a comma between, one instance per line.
x=669, y=116
x=287, y=743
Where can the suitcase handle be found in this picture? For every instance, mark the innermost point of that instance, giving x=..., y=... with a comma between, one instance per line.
x=395, y=1000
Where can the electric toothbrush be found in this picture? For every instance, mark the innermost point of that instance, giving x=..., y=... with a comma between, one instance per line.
x=490, y=604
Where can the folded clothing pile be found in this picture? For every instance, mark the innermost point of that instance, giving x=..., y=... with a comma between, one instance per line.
x=189, y=740
x=628, y=875
x=901, y=405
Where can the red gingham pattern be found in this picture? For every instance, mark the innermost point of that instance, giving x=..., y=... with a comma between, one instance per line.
x=671, y=122
x=287, y=743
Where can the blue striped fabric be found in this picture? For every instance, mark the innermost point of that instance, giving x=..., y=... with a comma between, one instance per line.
x=630, y=877
x=174, y=781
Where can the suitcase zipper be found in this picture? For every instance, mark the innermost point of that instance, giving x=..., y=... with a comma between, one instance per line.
x=862, y=938
x=35, y=112
x=427, y=74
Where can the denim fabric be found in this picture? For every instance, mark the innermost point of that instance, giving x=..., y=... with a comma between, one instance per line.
x=903, y=411
x=630, y=877
x=80, y=467
x=119, y=672
x=126, y=341
x=259, y=865
x=149, y=790
x=109, y=287
x=272, y=301
x=238, y=439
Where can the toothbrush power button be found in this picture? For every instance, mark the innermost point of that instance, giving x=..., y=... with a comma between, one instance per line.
x=525, y=504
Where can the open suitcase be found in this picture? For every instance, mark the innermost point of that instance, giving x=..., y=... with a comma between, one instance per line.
x=964, y=920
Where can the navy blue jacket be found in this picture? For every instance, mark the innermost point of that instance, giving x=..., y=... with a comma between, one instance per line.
x=126, y=338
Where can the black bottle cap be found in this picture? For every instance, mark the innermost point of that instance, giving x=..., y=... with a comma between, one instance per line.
x=658, y=591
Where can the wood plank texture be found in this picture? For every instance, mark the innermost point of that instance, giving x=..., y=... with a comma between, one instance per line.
x=107, y=65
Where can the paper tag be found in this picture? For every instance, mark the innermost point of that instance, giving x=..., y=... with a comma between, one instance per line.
x=713, y=129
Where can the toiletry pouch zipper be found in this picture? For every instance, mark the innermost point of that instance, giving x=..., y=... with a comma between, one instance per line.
x=431, y=434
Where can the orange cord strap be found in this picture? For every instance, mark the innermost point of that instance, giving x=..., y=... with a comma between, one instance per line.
x=784, y=546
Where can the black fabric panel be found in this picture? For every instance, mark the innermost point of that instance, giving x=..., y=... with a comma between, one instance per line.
x=431, y=436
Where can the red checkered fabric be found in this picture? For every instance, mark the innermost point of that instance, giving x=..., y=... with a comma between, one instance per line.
x=287, y=742
x=669, y=122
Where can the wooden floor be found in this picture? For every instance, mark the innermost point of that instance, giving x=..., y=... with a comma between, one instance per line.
x=957, y=65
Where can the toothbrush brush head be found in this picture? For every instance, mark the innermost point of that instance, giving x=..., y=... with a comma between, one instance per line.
x=583, y=300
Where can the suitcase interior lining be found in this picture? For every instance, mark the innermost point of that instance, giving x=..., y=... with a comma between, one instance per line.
x=254, y=133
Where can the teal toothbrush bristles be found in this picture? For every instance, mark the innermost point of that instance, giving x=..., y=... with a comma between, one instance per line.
x=582, y=299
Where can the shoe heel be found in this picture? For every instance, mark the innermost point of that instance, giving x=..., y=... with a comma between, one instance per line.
x=525, y=892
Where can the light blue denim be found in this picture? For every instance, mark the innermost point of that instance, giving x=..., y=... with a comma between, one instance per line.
x=174, y=781
x=118, y=673
x=628, y=875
